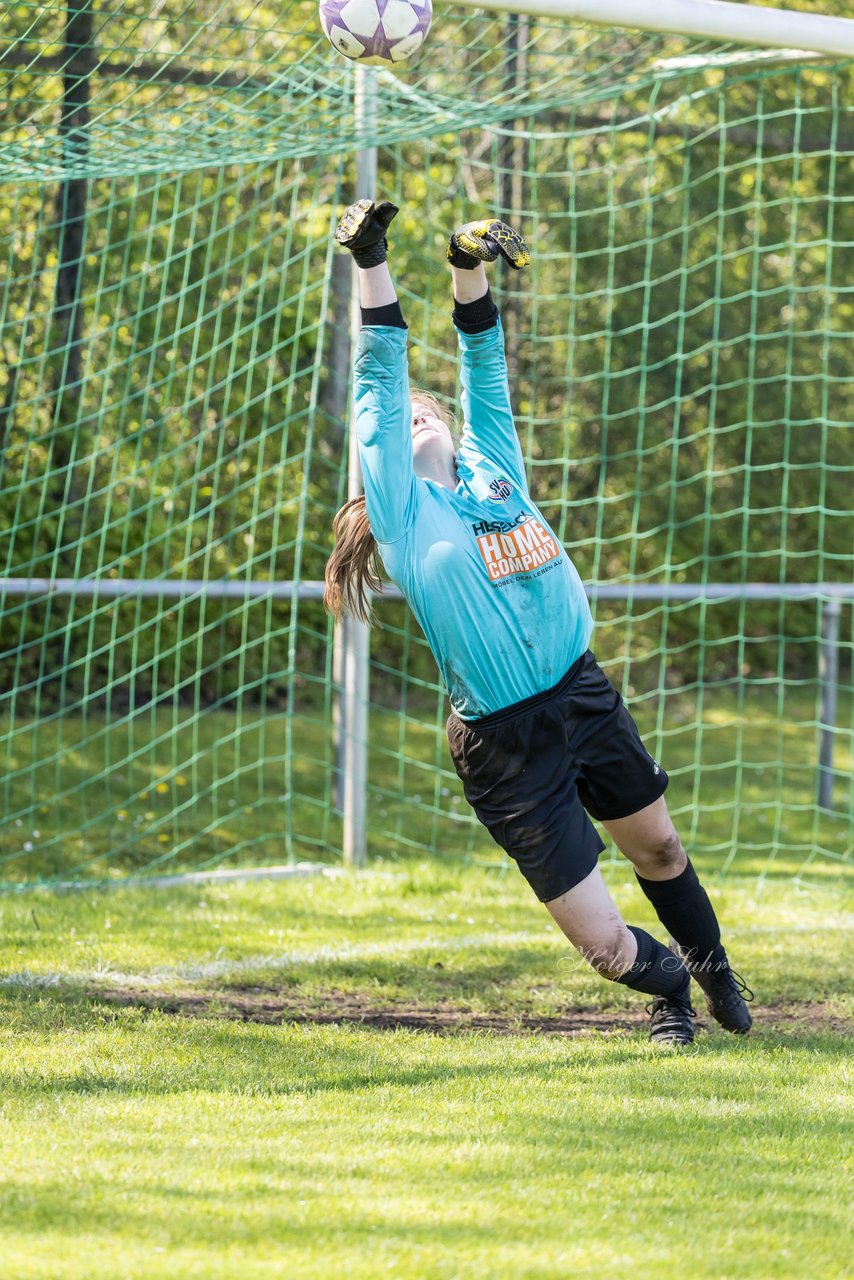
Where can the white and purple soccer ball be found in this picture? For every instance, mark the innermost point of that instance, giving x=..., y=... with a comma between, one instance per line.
x=376, y=31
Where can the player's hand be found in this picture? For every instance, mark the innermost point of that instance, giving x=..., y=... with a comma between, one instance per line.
x=363, y=229
x=483, y=241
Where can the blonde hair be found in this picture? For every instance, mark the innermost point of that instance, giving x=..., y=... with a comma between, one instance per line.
x=354, y=569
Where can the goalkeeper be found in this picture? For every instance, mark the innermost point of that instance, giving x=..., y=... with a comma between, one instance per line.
x=539, y=737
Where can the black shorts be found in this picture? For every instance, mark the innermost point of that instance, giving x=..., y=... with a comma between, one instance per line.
x=531, y=770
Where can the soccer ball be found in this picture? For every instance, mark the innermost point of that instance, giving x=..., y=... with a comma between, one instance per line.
x=376, y=31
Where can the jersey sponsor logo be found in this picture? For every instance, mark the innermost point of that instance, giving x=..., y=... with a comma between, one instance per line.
x=521, y=549
x=500, y=489
x=499, y=526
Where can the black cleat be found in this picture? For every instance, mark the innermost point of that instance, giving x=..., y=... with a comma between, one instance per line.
x=725, y=990
x=671, y=1019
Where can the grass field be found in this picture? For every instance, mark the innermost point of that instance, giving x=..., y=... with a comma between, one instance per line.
x=406, y=1072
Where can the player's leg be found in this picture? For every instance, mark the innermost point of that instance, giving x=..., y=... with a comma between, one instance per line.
x=622, y=787
x=590, y=919
x=649, y=840
x=520, y=781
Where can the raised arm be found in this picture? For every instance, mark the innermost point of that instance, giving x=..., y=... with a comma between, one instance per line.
x=381, y=400
x=489, y=429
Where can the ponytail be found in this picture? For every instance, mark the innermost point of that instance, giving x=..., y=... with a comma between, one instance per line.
x=353, y=569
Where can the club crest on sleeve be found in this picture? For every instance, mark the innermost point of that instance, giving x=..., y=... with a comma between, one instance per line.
x=500, y=489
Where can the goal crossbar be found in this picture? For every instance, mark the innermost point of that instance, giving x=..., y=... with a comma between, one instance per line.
x=713, y=19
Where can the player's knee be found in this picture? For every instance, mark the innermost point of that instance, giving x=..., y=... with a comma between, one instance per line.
x=610, y=955
x=664, y=854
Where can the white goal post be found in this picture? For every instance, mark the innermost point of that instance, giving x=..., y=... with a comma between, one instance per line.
x=713, y=19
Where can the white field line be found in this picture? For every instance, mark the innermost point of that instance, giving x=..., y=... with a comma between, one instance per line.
x=289, y=871
x=221, y=967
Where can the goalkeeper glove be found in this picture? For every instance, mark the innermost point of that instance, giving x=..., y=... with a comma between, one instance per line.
x=483, y=241
x=362, y=231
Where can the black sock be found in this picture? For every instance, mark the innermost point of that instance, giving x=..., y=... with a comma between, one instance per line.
x=477, y=316
x=682, y=905
x=656, y=970
x=390, y=315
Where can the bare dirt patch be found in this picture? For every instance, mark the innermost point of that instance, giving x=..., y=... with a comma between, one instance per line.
x=330, y=1007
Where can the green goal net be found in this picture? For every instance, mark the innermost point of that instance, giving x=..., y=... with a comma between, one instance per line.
x=174, y=349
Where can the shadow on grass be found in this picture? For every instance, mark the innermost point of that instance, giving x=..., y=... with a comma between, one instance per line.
x=169, y=1044
x=260, y=1209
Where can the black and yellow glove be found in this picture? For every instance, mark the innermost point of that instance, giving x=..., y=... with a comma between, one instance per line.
x=483, y=241
x=362, y=231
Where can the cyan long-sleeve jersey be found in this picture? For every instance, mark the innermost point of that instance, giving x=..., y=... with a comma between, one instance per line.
x=501, y=604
